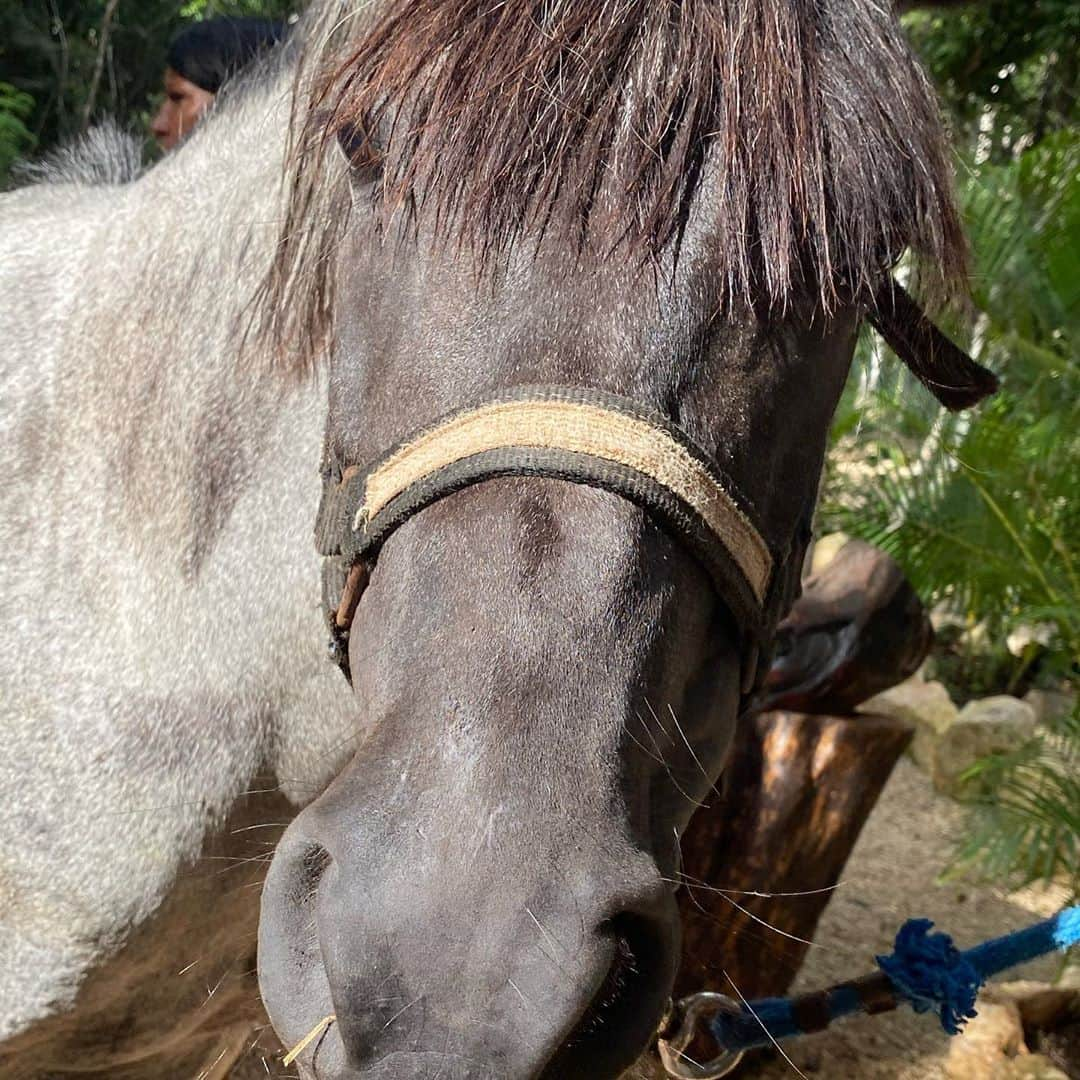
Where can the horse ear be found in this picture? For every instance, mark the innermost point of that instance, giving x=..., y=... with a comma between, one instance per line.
x=956, y=380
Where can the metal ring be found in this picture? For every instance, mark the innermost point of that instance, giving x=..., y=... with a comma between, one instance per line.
x=678, y=1030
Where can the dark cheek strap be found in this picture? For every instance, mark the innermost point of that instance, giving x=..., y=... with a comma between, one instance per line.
x=956, y=380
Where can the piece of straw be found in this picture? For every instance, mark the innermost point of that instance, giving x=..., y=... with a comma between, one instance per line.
x=308, y=1039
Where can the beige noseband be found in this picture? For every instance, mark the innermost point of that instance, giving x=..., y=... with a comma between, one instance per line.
x=579, y=435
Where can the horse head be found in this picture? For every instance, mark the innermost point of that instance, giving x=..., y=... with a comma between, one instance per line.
x=683, y=211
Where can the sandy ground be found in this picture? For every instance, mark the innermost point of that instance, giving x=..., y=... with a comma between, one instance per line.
x=892, y=876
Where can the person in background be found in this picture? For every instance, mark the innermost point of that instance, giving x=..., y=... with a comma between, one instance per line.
x=200, y=59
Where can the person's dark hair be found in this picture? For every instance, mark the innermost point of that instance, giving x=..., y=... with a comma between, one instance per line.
x=209, y=52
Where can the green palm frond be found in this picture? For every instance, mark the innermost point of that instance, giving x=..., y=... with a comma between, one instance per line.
x=985, y=523
x=1027, y=827
x=981, y=510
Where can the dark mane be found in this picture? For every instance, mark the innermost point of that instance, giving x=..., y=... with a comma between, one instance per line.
x=598, y=118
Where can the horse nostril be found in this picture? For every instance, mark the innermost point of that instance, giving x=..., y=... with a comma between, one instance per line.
x=642, y=956
x=313, y=864
x=623, y=1013
x=631, y=959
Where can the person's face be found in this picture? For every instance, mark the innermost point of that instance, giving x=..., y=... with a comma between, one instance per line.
x=181, y=110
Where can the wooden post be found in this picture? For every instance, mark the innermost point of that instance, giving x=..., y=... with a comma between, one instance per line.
x=794, y=798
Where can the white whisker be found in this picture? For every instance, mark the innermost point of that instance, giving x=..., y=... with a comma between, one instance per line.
x=774, y=929
x=401, y=1011
x=517, y=991
x=693, y=754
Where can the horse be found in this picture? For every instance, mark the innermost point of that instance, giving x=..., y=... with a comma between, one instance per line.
x=596, y=276
x=166, y=703
x=667, y=221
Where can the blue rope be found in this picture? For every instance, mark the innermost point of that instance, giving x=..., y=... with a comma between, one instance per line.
x=925, y=969
x=756, y=1021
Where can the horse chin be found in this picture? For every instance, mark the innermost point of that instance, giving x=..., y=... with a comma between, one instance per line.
x=405, y=1065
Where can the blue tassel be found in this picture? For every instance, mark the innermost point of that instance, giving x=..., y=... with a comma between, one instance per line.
x=931, y=974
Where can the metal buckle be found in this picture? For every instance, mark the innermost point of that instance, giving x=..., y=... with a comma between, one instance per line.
x=679, y=1029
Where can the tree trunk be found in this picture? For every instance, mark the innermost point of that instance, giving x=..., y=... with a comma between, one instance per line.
x=793, y=801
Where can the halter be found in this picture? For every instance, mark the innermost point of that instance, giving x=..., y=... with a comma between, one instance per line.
x=610, y=442
x=564, y=433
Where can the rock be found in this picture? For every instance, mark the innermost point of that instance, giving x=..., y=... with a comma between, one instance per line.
x=994, y=725
x=1051, y=1019
x=993, y=1037
x=1050, y=705
x=825, y=550
x=1026, y=636
x=1026, y=1067
x=949, y=741
x=926, y=705
x=1069, y=979
x=993, y=1045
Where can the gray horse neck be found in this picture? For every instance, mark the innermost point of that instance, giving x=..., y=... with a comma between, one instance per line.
x=159, y=616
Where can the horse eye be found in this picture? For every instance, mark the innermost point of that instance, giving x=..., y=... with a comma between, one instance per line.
x=365, y=157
